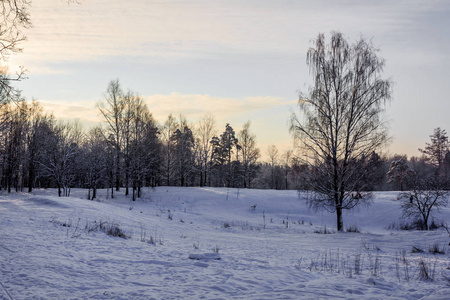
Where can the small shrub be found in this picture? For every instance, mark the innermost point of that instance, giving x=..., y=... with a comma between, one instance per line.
x=416, y=250
x=435, y=249
x=112, y=229
x=367, y=247
x=423, y=270
x=143, y=234
x=392, y=226
x=241, y=224
x=436, y=225
x=358, y=264
x=264, y=219
x=376, y=266
x=69, y=225
x=402, y=263
x=418, y=224
x=353, y=228
x=151, y=239
x=427, y=270
x=116, y=231
x=94, y=226
x=412, y=225
x=324, y=230
x=75, y=234
x=298, y=265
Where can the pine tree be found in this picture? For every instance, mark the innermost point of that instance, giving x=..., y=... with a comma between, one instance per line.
x=183, y=146
x=437, y=149
x=223, y=148
x=399, y=172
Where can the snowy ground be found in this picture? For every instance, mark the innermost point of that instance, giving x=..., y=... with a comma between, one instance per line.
x=51, y=248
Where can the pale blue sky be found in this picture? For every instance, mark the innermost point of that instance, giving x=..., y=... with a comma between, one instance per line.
x=238, y=60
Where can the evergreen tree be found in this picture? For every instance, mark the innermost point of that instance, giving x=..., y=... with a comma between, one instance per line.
x=223, y=152
x=437, y=149
x=182, y=148
x=399, y=172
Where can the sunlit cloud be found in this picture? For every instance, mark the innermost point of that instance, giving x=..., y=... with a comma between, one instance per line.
x=84, y=111
x=266, y=114
x=195, y=106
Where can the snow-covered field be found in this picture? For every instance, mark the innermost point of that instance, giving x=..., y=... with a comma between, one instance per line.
x=53, y=248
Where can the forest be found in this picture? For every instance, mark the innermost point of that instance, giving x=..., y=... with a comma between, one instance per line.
x=132, y=150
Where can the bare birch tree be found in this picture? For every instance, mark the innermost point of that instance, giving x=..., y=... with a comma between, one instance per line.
x=61, y=153
x=111, y=108
x=144, y=147
x=272, y=153
x=249, y=154
x=340, y=120
x=94, y=161
x=287, y=160
x=170, y=125
x=204, y=132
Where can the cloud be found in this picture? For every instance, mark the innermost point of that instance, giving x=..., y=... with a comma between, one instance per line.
x=83, y=111
x=268, y=115
x=172, y=31
x=196, y=105
x=193, y=106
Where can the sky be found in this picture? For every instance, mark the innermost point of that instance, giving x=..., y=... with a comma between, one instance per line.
x=236, y=60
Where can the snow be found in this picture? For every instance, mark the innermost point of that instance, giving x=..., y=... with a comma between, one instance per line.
x=52, y=248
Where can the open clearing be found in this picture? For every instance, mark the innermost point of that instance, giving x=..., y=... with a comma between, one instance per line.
x=212, y=243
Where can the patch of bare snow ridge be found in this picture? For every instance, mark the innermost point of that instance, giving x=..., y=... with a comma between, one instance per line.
x=212, y=243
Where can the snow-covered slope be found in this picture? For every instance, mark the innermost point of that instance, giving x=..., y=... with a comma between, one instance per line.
x=212, y=243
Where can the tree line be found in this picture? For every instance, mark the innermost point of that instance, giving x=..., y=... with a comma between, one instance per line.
x=130, y=150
